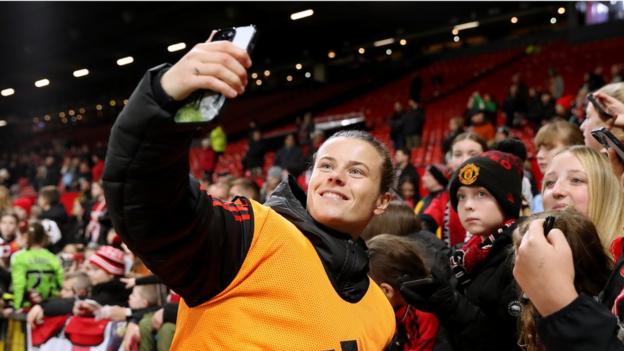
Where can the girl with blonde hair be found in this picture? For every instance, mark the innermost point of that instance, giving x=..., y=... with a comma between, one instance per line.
x=581, y=177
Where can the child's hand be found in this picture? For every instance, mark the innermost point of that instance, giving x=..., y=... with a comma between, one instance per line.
x=83, y=308
x=130, y=282
x=35, y=316
x=157, y=319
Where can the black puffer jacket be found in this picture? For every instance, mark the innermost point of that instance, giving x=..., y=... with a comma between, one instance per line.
x=484, y=315
x=194, y=243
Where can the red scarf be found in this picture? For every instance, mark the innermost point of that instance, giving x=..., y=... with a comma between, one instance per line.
x=465, y=261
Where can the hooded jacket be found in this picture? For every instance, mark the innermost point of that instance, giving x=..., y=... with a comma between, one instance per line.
x=202, y=247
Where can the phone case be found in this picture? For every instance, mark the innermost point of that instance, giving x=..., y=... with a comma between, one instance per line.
x=204, y=106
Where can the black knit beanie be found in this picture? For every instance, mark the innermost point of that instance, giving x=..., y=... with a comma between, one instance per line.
x=440, y=173
x=499, y=172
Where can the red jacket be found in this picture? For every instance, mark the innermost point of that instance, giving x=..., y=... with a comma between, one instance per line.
x=454, y=233
x=420, y=328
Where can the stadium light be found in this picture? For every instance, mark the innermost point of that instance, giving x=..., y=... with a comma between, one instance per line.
x=289, y=78
x=514, y=20
x=176, y=47
x=125, y=61
x=7, y=92
x=81, y=73
x=388, y=52
x=42, y=83
x=561, y=10
x=553, y=20
x=331, y=54
x=456, y=38
x=301, y=14
x=403, y=42
x=383, y=42
x=298, y=66
x=467, y=25
x=3, y=123
x=361, y=51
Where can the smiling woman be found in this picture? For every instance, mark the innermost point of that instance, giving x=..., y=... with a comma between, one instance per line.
x=577, y=175
x=290, y=274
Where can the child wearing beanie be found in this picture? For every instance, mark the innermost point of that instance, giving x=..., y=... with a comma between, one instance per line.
x=477, y=300
x=104, y=269
x=434, y=180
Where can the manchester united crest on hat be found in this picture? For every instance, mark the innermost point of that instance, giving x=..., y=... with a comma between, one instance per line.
x=468, y=174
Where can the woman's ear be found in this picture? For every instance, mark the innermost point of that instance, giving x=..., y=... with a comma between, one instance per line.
x=388, y=290
x=382, y=203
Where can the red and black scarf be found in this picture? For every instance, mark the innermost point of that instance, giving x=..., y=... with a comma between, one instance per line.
x=466, y=260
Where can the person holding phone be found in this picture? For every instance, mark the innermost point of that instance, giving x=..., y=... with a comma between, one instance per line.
x=598, y=115
x=290, y=274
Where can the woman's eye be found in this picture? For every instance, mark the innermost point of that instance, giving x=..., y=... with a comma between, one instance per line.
x=482, y=194
x=548, y=183
x=356, y=171
x=324, y=166
x=578, y=181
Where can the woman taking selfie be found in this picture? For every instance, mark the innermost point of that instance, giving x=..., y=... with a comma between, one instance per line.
x=287, y=275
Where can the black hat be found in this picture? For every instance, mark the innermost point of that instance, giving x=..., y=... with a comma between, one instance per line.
x=499, y=172
x=440, y=173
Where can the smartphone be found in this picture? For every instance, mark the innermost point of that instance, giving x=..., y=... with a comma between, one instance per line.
x=602, y=111
x=608, y=140
x=204, y=106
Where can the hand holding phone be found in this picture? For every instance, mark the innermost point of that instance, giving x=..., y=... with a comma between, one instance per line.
x=218, y=66
x=206, y=104
x=602, y=111
x=609, y=141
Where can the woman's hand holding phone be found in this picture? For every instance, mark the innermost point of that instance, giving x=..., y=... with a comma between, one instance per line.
x=218, y=66
x=613, y=107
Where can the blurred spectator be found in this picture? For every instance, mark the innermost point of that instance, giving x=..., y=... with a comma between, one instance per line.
x=206, y=159
x=563, y=107
x=535, y=112
x=245, y=187
x=594, y=120
x=456, y=127
x=413, y=122
x=218, y=141
x=273, y=178
x=480, y=126
x=435, y=179
x=403, y=168
x=391, y=258
x=548, y=106
x=52, y=172
x=616, y=73
x=290, y=157
x=502, y=133
x=305, y=127
x=594, y=80
x=35, y=269
x=220, y=190
x=51, y=208
x=98, y=167
x=254, y=158
x=5, y=176
x=555, y=83
x=96, y=232
x=396, y=126
x=6, y=203
x=409, y=192
x=515, y=106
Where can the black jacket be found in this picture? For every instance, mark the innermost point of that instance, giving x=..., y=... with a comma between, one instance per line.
x=586, y=324
x=195, y=243
x=484, y=315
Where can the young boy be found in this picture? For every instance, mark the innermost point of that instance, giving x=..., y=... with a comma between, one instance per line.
x=481, y=311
